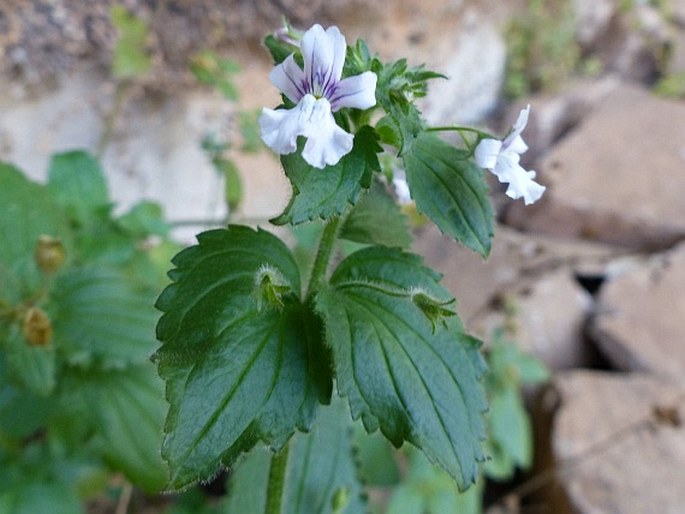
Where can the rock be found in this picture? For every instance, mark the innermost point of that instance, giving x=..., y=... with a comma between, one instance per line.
x=619, y=443
x=474, y=59
x=535, y=275
x=546, y=319
x=617, y=178
x=553, y=116
x=640, y=313
x=155, y=149
x=593, y=20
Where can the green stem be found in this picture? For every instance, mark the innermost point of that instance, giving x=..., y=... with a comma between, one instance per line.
x=274, y=492
x=323, y=254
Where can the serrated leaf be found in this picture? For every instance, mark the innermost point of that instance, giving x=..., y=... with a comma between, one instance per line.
x=320, y=466
x=100, y=317
x=127, y=410
x=377, y=219
x=417, y=385
x=451, y=191
x=235, y=374
x=324, y=193
x=27, y=211
x=78, y=184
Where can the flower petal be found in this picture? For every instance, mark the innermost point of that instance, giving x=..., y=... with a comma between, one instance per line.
x=521, y=183
x=324, y=56
x=280, y=128
x=326, y=143
x=289, y=79
x=358, y=92
x=513, y=140
x=487, y=152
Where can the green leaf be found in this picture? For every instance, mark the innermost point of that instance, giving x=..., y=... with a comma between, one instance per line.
x=415, y=384
x=377, y=466
x=377, y=219
x=451, y=191
x=144, y=219
x=131, y=58
x=279, y=50
x=33, y=366
x=34, y=497
x=77, y=183
x=320, y=470
x=101, y=317
x=509, y=426
x=235, y=374
x=327, y=192
x=429, y=490
x=127, y=411
x=28, y=211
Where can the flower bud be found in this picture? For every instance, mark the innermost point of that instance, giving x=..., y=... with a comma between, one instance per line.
x=49, y=253
x=270, y=287
x=434, y=310
x=36, y=327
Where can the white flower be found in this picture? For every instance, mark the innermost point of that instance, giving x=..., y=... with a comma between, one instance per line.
x=399, y=182
x=502, y=158
x=318, y=92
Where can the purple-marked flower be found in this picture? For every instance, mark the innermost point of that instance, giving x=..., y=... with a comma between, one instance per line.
x=318, y=91
x=502, y=159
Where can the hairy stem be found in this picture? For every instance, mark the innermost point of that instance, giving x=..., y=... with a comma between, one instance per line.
x=323, y=254
x=274, y=492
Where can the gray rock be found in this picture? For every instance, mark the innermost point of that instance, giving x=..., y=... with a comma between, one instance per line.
x=639, y=321
x=617, y=178
x=619, y=443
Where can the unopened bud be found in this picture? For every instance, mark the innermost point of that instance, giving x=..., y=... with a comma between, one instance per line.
x=49, y=253
x=37, y=328
x=340, y=499
x=270, y=287
x=434, y=310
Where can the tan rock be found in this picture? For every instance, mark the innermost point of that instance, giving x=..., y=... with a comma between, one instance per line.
x=527, y=285
x=617, y=178
x=619, y=443
x=639, y=324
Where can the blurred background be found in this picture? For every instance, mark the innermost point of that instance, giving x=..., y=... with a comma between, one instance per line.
x=590, y=280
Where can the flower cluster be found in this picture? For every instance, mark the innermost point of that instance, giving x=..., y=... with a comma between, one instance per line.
x=502, y=159
x=318, y=91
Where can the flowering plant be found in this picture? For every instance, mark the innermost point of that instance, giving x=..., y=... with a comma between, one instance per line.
x=251, y=354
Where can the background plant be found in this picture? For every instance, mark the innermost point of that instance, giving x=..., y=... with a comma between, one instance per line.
x=78, y=395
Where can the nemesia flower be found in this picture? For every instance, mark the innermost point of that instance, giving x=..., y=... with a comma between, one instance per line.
x=318, y=91
x=502, y=159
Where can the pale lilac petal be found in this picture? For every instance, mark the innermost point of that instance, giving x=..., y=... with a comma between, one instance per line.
x=521, y=183
x=326, y=143
x=289, y=79
x=324, y=55
x=486, y=153
x=280, y=128
x=339, y=51
x=358, y=92
x=516, y=145
x=517, y=129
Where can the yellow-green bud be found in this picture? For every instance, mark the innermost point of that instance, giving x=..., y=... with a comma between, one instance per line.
x=36, y=327
x=49, y=253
